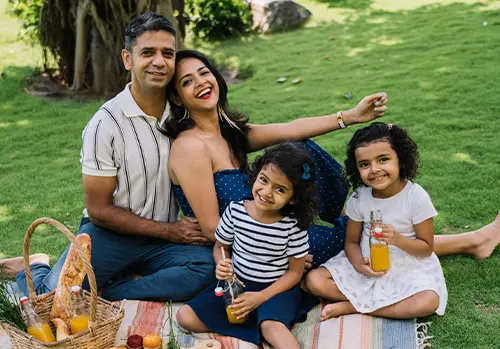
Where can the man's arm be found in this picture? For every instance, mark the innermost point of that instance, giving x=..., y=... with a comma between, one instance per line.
x=99, y=203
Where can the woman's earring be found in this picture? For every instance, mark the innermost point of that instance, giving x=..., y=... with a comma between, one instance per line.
x=186, y=115
x=223, y=117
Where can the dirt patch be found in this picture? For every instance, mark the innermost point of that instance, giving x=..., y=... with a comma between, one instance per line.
x=488, y=309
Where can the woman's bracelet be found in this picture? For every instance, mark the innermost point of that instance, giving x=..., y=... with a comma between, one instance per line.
x=340, y=120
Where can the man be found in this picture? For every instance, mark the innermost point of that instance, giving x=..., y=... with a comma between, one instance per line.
x=130, y=210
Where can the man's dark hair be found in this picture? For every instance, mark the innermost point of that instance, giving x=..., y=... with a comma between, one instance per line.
x=147, y=22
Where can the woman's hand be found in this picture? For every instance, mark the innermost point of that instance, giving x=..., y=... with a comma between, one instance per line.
x=223, y=270
x=389, y=235
x=363, y=267
x=369, y=108
x=247, y=302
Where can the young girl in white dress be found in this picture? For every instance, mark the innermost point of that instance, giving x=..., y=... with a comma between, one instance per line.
x=382, y=162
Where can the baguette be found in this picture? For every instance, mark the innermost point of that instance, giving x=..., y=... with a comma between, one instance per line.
x=72, y=274
x=62, y=330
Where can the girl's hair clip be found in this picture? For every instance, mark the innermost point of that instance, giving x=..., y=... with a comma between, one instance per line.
x=306, y=175
x=389, y=126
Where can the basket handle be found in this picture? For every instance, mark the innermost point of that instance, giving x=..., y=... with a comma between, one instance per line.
x=88, y=267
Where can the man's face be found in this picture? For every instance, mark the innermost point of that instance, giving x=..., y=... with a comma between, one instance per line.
x=152, y=60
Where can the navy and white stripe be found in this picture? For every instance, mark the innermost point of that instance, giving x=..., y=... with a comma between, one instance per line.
x=122, y=141
x=260, y=251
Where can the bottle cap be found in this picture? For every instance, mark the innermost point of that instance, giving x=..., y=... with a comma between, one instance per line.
x=219, y=291
x=24, y=300
x=377, y=232
x=76, y=289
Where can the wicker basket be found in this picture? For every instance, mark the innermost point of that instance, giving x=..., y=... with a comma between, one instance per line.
x=101, y=333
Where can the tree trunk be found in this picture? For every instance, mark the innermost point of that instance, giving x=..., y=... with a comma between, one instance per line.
x=165, y=8
x=82, y=34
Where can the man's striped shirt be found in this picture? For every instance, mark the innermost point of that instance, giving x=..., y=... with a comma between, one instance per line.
x=122, y=141
x=260, y=251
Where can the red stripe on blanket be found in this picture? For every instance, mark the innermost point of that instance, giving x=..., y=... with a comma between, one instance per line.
x=315, y=336
x=149, y=318
x=225, y=341
x=341, y=332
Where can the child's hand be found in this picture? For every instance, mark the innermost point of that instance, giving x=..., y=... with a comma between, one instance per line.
x=223, y=270
x=389, y=235
x=364, y=268
x=247, y=302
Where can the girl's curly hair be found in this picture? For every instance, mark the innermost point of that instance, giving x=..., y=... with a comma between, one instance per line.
x=300, y=170
x=403, y=145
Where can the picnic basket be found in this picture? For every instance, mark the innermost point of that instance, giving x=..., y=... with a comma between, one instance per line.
x=105, y=317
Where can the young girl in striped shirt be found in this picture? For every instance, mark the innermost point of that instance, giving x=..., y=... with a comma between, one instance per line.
x=267, y=237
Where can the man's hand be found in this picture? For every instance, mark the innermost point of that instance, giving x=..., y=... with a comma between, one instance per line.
x=223, y=270
x=187, y=231
x=364, y=268
x=308, y=263
x=247, y=302
x=369, y=108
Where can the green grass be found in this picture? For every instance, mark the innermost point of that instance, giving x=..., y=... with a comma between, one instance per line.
x=436, y=60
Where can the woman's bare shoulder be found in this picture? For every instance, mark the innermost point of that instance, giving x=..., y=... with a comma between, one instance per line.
x=187, y=144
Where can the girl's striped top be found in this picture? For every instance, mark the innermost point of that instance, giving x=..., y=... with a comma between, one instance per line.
x=260, y=251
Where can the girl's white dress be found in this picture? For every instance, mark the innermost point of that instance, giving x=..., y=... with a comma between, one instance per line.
x=408, y=274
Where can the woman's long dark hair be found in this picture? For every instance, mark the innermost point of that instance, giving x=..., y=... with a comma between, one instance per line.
x=237, y=140
x=300, y=170
x=398, y=138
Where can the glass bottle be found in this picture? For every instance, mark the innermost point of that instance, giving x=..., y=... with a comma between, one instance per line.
x=36, y=327
x=379, y=250
x=79, y=320
x=232, y=290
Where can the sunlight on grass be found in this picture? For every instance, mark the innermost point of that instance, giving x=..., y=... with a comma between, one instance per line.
x=5, y=215
x=465, y=158
x=24, y=122
x=386, y=41
x=30, y=208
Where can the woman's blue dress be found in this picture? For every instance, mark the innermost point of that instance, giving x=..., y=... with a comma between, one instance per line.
x=332, y=189
x=324, y=243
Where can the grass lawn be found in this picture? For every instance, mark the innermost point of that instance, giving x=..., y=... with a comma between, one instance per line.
x=437, y=60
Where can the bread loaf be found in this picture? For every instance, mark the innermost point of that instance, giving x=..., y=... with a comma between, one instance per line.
x=62, y=330
x=72, y=274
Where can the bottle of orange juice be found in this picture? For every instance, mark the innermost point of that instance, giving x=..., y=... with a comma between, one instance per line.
x=232, y=290
x=79, y=320
x=379, y=250
x=36, y=326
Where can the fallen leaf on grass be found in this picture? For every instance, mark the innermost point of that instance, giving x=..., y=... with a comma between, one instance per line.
x=297, y=81
x=332, y=37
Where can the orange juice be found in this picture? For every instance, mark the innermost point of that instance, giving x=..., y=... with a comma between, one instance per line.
x=379, y=254
x=233, y=318
x=79, y=324
x=42, y=332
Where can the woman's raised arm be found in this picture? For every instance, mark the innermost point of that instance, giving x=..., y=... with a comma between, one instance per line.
x=369, y=108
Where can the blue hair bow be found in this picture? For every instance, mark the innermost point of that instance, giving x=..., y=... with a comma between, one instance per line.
x=306, y=175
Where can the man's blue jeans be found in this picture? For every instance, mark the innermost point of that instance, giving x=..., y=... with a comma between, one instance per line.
x=169, y=271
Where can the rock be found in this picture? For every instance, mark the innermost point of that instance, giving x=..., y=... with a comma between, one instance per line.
x=275, y=15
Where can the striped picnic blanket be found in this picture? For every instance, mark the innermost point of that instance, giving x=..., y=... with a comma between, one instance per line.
x=346, y=332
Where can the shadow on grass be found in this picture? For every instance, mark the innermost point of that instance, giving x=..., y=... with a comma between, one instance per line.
x=350, y=4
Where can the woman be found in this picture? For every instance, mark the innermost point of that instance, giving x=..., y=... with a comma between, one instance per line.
x=208, y=158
